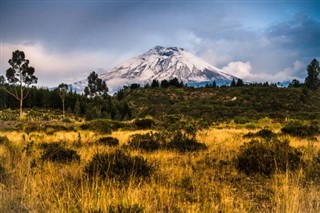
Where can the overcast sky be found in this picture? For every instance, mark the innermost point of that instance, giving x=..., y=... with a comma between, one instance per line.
x=254, y=40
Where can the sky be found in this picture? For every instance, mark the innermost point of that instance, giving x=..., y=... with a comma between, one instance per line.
x=65, y=40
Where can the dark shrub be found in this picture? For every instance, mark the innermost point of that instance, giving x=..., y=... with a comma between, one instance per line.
x=299, y=129
x=146, y=142
x=109, y=141
x=313, y=170
x=267, y=157
x=240, y=120
x=118, y=165
x=145, y=123
x=182, y=143
x=56, y=153
x=264, y=133
x=99, y=125
x=3, y=140
x=135, y=208
x=2, y=173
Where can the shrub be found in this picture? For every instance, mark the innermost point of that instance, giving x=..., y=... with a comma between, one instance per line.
x=135, y=208
x=109, y=141
x=267, y=157
x=3, y=140
x=117, y=165
x=56, y=153
x=145, y=123
x=2, y=173
x=146, y=142
x=313, y=170
x=299, y=129
x=264, y=133
x=100, y=125
x=182, y=143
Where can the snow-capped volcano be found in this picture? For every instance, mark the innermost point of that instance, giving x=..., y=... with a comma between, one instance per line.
x=162, y=63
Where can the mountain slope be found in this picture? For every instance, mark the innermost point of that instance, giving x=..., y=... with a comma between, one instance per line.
x=164, y=63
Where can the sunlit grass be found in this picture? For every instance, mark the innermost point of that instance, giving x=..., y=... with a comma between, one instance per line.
x=204, y=181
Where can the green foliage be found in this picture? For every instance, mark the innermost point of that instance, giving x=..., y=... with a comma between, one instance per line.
x=99, y=125
x=267, y=157
x=313, y=170
x=108, y=141
x=144, y=123
x=241, y=120
x=300, y=129
x=146, y=142
x=312, y=81
x=121, y=208
x=182, y=143
x=117, y=165
x=56, y=153
x=96, y=86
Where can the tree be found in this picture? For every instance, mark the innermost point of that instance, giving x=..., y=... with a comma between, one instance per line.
x=295, y=83
x=63, y=89
x=97, y=90
x=233, y=83
x=155, y=83
x=312, y=81
x=19, y=77
x=240, y=83
x=96, y=86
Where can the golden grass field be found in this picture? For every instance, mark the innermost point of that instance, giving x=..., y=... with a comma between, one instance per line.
x=204, y=181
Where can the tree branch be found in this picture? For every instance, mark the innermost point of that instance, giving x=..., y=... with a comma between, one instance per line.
x=11, y=93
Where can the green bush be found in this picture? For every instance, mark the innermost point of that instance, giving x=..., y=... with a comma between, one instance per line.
x=117, y=165
x=313, y=170
x=299, y=129
x=146, y=142
x=267, y=157
x=182, y=143
x=108, y=141
x=56, y=153
x=100, y=125
x=120, y=208
x=145, y=123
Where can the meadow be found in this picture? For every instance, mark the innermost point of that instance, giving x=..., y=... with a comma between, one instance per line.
x=172, y=180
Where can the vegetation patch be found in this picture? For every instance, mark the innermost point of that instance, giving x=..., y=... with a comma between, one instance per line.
x=2, y=173
x=144, y=123
x=134, y=208
x=182, y=143
x=313, y=170
x=3, y=140
x=264, y=133
x=267, y=157
x=117, y=165
x=99, y=125
x=108, y=141
x=56, y=153
x=297, y=128
x=146, y=142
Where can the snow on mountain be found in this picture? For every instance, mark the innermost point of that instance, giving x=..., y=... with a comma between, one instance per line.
x=162, y=63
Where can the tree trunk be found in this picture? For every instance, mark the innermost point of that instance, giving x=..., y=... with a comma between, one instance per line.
x=21, y=101
x=63, y=113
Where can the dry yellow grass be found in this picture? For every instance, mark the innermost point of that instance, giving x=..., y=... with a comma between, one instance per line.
x=204, y=181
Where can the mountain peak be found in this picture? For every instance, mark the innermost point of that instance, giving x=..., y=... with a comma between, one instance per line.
x=164, y=63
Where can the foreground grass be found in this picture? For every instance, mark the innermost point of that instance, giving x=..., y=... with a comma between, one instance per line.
x=204, y=181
